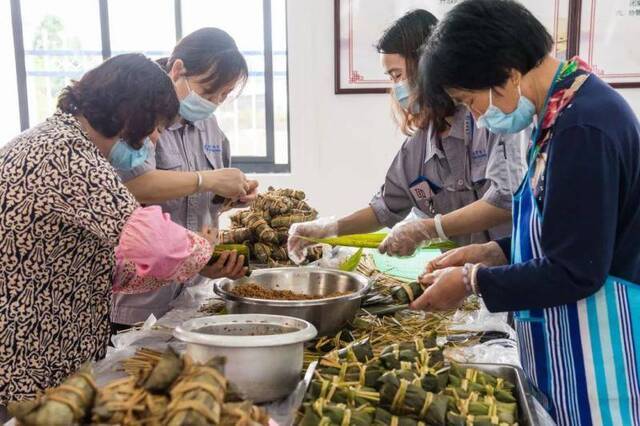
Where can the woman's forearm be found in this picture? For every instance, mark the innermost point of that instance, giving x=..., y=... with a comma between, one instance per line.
x=154, y=251
x=158, y=186
x=475, y=217
x=360, y=222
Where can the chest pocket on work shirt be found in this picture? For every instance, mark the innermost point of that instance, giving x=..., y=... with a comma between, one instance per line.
x=168, y=157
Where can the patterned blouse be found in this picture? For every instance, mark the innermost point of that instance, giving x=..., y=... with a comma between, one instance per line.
x=62, y=212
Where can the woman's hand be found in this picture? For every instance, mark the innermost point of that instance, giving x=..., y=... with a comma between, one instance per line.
x=229, y=265
x=489, y=254
x=227, y=183
x=251, y=187
x=446, y=290
x=320, y=228
x=406, y=236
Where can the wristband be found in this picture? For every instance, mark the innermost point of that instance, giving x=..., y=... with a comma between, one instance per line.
x=438, y=222
x=474, y=279
x=199, y=184
x=466, y=279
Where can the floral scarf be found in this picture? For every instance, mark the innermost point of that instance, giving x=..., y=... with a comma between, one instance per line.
x=578, y=71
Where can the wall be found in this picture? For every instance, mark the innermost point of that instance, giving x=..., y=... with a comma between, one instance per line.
x=341, y=145
x=633, y=97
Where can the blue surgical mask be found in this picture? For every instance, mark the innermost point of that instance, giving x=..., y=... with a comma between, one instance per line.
x=401, y=92
x=195, y=108
x=501, y=123
x=124, y=157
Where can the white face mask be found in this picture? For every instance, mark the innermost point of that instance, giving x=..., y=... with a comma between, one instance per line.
x=502, y=123
x=401, y=92
x=195, y=108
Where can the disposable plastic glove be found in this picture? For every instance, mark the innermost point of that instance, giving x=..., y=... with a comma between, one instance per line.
x=406, y=236
x=320, y=228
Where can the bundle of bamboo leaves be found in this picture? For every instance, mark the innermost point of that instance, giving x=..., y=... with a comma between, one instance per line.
x=264, y=226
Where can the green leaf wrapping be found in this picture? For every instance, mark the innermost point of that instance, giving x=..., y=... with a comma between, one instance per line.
x=342, y=393
x=66, y=404
x=406, y=293
x=357, y=352
x=384, y=418
x=403, y=398
x=394, y=355
x=321, y=412
x=352, y=262
x=363, y=374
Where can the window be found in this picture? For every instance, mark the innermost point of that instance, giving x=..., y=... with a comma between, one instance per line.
x=9, y=105
x=59, y=40
x=155, y=37
x=60, y=43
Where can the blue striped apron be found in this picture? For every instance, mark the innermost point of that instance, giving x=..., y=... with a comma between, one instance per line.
x=583, y=357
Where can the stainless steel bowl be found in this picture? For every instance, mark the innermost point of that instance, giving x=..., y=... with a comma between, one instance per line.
x=327, y=315
x=263, y=367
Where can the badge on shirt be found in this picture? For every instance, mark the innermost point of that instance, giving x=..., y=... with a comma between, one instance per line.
x=422, y=189
x=478, y=154
x=212, y=148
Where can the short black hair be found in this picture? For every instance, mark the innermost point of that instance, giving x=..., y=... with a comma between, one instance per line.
x=128, y=95
x=477, y=44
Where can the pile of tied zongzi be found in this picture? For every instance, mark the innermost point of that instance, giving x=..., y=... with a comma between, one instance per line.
x=160, y=389
x=406, y=384
x=264, y=226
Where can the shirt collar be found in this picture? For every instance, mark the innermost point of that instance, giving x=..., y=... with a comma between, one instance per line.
x=179, y=124
x=457, y=126
x=457, y=131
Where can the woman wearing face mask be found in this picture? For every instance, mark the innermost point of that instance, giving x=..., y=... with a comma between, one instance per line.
x=189, y=168
x=67, y=221
x=458, y=177
x=574, y=267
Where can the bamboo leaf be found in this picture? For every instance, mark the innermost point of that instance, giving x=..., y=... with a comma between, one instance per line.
x=440, y=245
x=352, y=262
x=373, y=241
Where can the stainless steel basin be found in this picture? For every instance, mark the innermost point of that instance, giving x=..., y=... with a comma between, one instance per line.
x=328, y=315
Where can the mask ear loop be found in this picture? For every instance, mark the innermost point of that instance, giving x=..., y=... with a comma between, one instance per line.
x=490, y=96
x=186, y=80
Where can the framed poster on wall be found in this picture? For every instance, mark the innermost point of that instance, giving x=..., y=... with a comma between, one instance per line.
x=609, y=40
x=358, y=24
